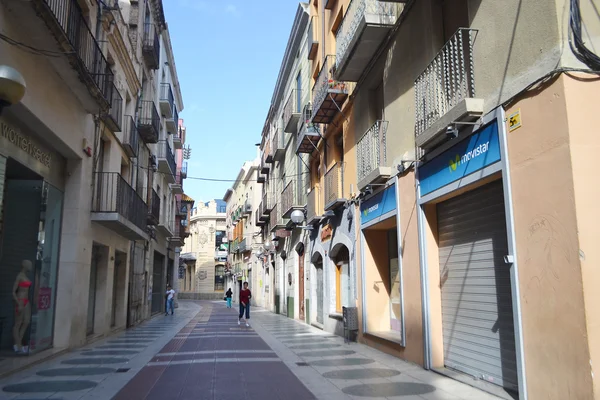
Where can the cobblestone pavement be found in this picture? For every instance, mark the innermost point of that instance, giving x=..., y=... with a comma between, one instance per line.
x=202, y=353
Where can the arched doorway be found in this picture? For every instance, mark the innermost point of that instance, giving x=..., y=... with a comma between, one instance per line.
x=340, y=255
x=317, y=261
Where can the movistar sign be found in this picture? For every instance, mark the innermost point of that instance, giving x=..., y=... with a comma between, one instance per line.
x=470, y=155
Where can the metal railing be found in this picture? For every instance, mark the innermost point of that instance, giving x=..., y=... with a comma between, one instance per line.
x=266, y=150
x=166, y=94
x=313, y=36
x=387, y=13
x=325, y=83
x=275, y=216
x=293, y=105
x=371, y=149
x=278, y=141
x=291, y=197
x=155, y=206
x=447, y=80
x=334, y=183
x=165, y=152
x=131, y=137
x=148, y=116
x=313, y=207
x=70, y=17
x=116, y=106
x=151, y=44
x=112, y=194
x=184, y=169
x=176, y=116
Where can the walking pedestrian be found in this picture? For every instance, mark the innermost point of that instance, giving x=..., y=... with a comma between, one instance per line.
x=245, y=296
x=169, y=300
x=228, y=295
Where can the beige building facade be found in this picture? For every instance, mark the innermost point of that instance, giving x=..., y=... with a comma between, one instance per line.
x=76, y=156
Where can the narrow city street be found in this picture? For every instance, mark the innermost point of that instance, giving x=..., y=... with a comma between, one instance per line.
x=202, y=353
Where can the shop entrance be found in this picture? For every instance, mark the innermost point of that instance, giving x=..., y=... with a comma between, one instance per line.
x=477, y=313
x=30, y=219
x=91, y=313
x=118, y=293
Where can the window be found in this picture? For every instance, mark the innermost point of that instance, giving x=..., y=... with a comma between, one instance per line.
x=219, y=278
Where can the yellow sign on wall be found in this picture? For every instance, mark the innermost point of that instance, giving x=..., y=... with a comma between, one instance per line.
x=514, y=120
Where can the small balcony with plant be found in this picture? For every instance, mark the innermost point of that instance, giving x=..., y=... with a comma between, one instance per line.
x=309, y=133
x=328, y=93
x=445, y=91
x=364, y=27
x=148, y=122
x=371, y=156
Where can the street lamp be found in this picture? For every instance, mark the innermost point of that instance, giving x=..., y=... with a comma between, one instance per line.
x=297, y=216
x=268, y=245
x=12, y=86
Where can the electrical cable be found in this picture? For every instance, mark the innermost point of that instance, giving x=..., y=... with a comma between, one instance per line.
x=576, y=41
x=32, y=50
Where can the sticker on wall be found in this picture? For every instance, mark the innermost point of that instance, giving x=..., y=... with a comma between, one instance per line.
x=514, y=120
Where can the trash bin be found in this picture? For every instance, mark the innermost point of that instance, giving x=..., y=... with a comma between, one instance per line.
x=350, y=319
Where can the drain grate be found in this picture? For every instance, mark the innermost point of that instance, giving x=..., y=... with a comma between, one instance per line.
x=302, y=364
x=121, y=370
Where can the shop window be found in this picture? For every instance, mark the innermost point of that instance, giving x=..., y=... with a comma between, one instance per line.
x=219, y=278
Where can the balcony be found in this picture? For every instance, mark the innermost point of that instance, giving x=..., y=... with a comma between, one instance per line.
x=259, y=219
x=268, y=152
x=314, y=210
x=151, y=46
x=276, y=221
x=261, y=179
x=244, y=247
x=172, y=122
x=154, y=209
x=313, y=37
x=167, y=226
x=308, y=138
x=182, y=209
x=371, y=156
x=445, y=91
x=267, y=204
x=328, y=94
x=66, y=21
x=247, y=208
x=177, y=187
x=278, y=144
x=291, y=199
x=291, y=111
x=184, y=169
x=166, y=161
x=365, y=26
x=131, y=137
x=265, y=168
x=178, y=139
x=334, y=186
x=167, y=100
x=178, y=233
x=148, y=122
x=114, y=117
x=117, y=206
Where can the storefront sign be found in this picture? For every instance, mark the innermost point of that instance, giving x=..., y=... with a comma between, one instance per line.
x=378, y=205
x=24, y=143
x=44, y=298
x=469, y=156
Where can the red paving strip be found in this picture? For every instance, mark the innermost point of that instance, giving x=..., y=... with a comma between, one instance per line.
x=215, y=376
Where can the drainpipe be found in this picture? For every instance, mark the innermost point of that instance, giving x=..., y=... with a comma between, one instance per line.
x=322, y=7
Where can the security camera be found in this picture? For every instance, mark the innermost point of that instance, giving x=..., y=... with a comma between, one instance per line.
x=451, y=132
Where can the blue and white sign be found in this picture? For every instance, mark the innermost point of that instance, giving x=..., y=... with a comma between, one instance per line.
x=478, y=151
x=381, y=204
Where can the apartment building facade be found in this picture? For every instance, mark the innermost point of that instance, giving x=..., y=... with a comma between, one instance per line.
x=76, y=169
x=243, y=234
x=202, y=255
x=448, y=158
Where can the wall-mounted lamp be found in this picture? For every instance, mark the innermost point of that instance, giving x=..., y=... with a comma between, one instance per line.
x=12, y=86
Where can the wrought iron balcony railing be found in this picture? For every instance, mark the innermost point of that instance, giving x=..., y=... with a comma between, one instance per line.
x=326, y=92
x=151, y=45
x=167, y=100
x=314, y=207
x=292, y=199
x=334, y=186
x=131, y=137
x=361, y=15
x=114, y=118
x=154, y=210
x=292, y=110
x=278, y=144
x=166, y=154
x=371, y=149
x=112, y=194
x=148, y=121
x=86, y=56
x=447, y=80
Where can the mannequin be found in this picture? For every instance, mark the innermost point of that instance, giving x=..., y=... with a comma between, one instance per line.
x=22, y=306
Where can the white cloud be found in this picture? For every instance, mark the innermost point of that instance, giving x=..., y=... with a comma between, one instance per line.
x=233, y=10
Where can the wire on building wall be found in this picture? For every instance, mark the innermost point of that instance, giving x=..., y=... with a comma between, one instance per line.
x=576, y=41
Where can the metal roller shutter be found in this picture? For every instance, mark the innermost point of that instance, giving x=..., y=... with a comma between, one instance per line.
x=477, y=316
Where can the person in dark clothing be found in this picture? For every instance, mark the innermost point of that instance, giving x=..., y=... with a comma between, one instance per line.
x=228, y=295
x=245, y=296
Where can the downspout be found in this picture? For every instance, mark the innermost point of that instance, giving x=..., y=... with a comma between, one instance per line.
x=323, y=52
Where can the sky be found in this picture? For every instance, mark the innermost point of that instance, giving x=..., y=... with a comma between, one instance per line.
x=227, y=55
